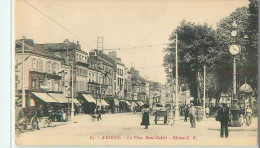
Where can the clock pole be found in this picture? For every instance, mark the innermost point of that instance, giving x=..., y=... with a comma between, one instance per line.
x=234, y=79
x=234, y=103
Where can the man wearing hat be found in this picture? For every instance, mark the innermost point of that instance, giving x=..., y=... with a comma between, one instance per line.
x=192, y=114
x=223, y=118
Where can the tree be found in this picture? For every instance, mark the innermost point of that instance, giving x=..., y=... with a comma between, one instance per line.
x=196, y=44
x=247, y=59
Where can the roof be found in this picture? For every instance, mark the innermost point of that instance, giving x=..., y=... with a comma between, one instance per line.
x=35, y=49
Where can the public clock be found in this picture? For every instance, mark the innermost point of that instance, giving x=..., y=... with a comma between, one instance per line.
x=234, y=49
x=234, y=33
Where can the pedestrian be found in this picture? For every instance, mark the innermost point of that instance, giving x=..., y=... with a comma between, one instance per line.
x=186, y=113
x=223, y=118
x=192, y=114
x=248, y=115
x=242, y=115
x=145, y=118
x=207, y=111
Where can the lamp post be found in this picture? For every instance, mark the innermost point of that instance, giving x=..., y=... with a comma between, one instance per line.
x=171, y=115
x=204, y=93
x=72, y=90
x=234, y=49
x=177, y=113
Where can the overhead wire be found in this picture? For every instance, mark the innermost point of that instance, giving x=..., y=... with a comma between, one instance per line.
x=57, y=23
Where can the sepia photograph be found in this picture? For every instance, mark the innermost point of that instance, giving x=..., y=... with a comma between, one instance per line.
x=135, y=73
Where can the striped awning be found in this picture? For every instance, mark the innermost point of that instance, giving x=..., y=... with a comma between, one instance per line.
x=61, y=98
x=104, y=103
x=89, y=98
x=126, y=102
x=45, y=97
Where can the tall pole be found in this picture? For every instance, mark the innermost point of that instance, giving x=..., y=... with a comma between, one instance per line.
x=204, y=93
x=23, y=89
x=100, y=89
x=171, y=115
x=72, y=93
x=177, y=85
x=234, y=79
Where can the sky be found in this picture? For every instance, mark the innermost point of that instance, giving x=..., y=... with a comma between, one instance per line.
x=144, y=24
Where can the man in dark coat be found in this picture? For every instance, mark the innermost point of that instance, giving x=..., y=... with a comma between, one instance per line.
x=186, y=113
x=223, y=118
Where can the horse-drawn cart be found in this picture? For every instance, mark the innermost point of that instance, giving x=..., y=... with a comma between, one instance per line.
x=161, y=115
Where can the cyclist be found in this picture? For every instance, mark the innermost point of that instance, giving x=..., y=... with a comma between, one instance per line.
x=248, y=115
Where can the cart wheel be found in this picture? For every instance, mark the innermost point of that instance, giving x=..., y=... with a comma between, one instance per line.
x=22, y=125
x=34, y=123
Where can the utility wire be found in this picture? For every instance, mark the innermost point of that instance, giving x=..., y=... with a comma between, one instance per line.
x=136, y=47
x=57, y=23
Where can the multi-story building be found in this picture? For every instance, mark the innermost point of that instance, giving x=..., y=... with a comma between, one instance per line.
x=41, y=71
x=128, y=85
x=101, y=74
x=119, y=75
x=138, y=85
x=77, y=60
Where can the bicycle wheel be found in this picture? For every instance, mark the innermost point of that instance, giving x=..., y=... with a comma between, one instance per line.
x=34, y=123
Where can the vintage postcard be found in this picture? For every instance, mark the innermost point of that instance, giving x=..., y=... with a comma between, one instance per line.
x=135, y=72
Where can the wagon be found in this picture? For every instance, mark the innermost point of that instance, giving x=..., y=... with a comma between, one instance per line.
x=161, y=115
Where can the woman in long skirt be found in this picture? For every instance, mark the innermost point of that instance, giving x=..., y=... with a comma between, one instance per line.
x=145, y=118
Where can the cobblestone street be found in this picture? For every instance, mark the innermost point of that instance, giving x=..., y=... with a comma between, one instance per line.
x=124, y=128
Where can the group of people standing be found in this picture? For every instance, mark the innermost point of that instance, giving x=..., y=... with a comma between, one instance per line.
x=223, y=116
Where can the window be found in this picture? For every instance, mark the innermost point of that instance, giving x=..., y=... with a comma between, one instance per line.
x=40, y=65
x=33, y=83
x=34, y=67
x=54, y=68
x=90, y=78
x=40, y=83
x=93, y=77
x=48, y=67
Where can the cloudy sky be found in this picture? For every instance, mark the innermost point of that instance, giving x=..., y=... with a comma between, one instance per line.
x=123, y=24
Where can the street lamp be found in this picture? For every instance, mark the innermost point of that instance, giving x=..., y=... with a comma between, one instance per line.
x=234, y=49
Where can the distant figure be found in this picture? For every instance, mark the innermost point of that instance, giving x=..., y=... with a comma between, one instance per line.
x=192, y=114
x=186, y=113
x=145, y=118
x=242, y=115
x=223, y=118
x=64, y=116
x=248, y=115
x=207, y=112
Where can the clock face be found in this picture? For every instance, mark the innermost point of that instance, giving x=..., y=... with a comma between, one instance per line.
x=234, y=33
x=234, y=49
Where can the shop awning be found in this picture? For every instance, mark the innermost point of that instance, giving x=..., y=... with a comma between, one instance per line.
x=75, y=101
x=45, y=97
x=89, y=98
x=140, y=103
x=116, y=102
x=61, y=98
x=126, y=102
x=104, y=103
